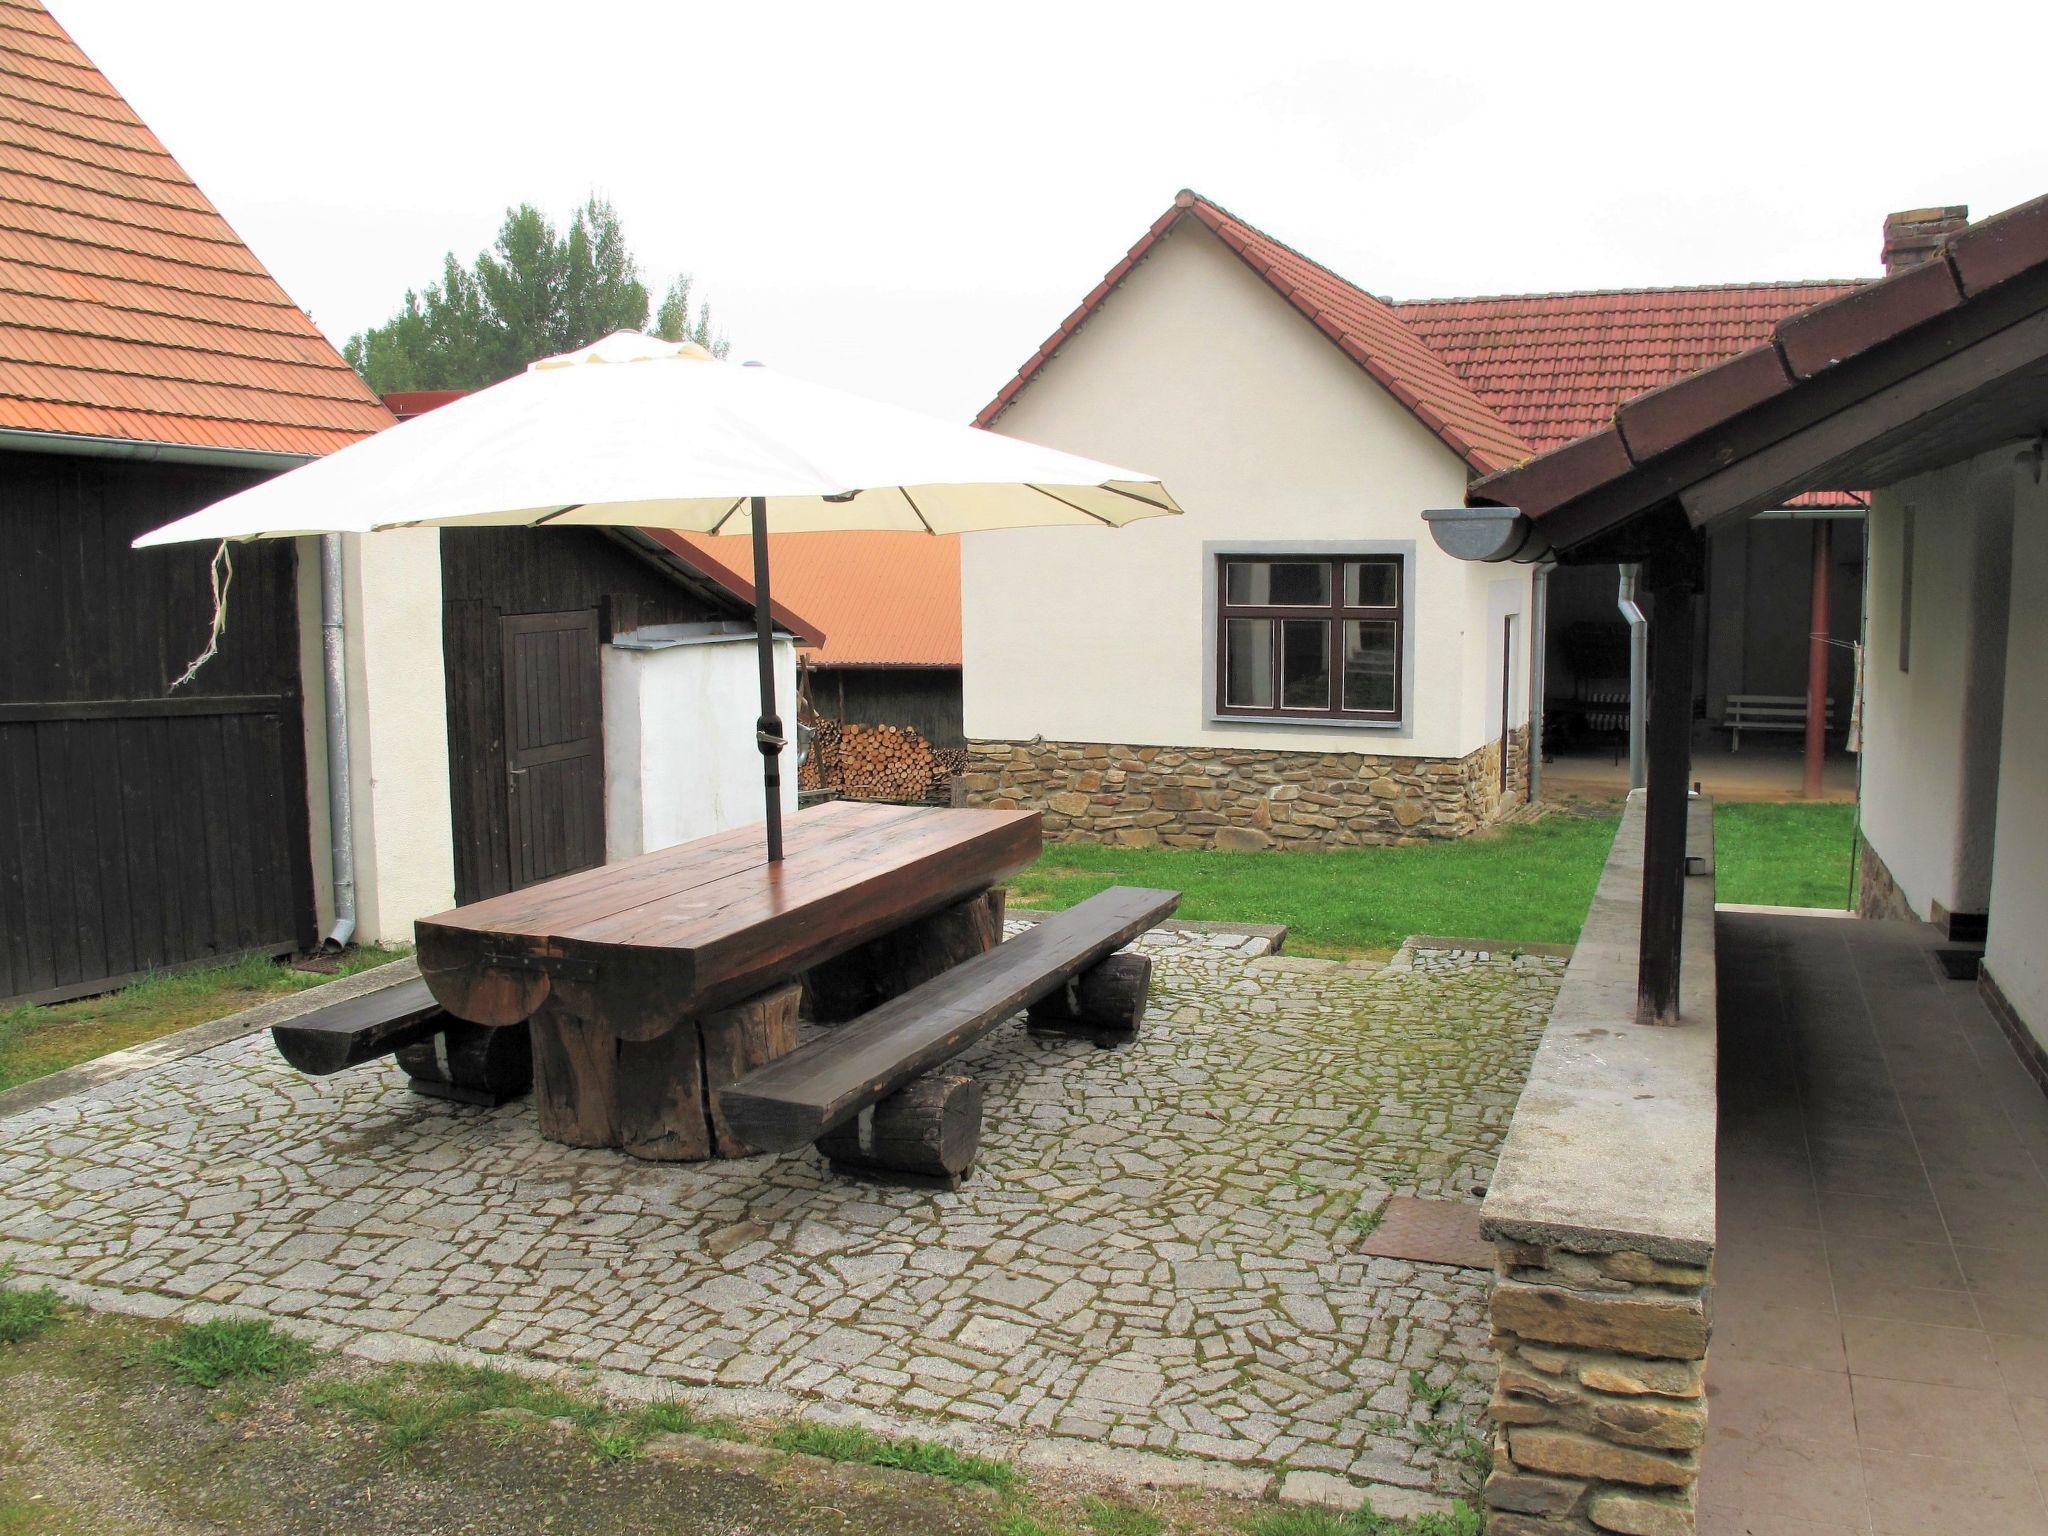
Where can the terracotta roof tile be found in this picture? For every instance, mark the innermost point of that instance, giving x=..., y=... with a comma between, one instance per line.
x=128, y=307
x=1366, y=328
x=883, y=599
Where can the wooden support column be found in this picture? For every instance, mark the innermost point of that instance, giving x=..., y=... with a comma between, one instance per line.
x=1671, y=577
x=1817, y=658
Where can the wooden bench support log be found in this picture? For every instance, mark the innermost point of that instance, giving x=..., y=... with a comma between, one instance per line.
x=737, y=1040
x=575, y=1078
x=926, y=1133
x=471, y=1063
x=1105, y=1003
x=849, y=985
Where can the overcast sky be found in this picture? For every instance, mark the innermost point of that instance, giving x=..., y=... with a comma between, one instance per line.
x=905, y=199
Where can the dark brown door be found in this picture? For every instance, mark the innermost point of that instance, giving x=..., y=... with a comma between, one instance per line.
x=554, y=744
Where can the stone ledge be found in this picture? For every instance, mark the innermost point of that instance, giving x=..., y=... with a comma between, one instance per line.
x=1606, y=1094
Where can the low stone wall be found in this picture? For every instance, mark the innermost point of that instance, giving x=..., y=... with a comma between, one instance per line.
x=1228, y=797
x=1601, y=1213
x=1877, y=893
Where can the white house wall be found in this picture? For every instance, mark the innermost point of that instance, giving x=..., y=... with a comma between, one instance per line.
x=1195, y=370
x=1932, y=730
x=2016, y=952
x=680, y=758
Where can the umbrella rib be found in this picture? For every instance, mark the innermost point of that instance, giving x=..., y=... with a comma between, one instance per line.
x=1066, y=503
x=729, y=511
x=549, y=517
x=928, y=528
x=1134, y=496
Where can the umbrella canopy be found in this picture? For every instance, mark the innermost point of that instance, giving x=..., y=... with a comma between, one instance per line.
x=636, y=432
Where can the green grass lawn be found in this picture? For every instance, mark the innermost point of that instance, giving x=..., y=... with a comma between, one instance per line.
x=1522, y=884
x=35, y=1042
x=1785, y=855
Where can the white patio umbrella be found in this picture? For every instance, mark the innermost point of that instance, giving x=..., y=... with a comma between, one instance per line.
x=636, y=432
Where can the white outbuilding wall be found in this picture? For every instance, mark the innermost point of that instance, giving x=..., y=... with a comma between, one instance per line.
x=2016, y=953
x=680, y=702
x=1273, y=440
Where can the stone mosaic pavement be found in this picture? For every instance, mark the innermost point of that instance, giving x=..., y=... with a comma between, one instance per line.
x=1155, y=1252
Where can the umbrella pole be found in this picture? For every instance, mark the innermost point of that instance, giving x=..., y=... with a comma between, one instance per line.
x=768, y=729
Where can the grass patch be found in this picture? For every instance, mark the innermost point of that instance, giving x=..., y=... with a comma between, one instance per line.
x=1110, y=1519
x=1783, y=855
x=1460, y=1520
x=414, y=1405
x=36, y=1041
x=673, y=1418
x=836, y=1442
x=1521, y=884
x=1017, y=1522
x=211, y=1354
x=1365, y=1222
x=24, y=1313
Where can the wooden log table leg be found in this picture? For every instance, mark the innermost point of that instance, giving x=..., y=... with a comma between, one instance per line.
x=737, y=1040
x=575, y=1078
x=849, y=985
x=927, y=1132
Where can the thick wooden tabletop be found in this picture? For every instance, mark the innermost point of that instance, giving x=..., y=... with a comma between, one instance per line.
x=639, y=944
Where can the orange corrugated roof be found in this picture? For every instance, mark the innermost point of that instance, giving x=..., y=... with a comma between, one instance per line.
x=1366, y=328
x=883, y=599
x=128, y=307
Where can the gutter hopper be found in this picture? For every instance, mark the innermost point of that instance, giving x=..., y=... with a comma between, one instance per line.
x=1489, y=534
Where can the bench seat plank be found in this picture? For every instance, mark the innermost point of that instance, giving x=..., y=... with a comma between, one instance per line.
x=797, y=1098
x=359, y=1029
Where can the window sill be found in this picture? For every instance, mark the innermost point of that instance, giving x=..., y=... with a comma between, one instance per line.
x=1306, y=722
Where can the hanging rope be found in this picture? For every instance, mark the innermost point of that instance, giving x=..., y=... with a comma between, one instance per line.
x=221, y=569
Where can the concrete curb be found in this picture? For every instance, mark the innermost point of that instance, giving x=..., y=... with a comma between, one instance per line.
x=148, y=1057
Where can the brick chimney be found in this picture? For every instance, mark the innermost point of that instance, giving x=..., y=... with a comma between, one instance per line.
x=1912, y=237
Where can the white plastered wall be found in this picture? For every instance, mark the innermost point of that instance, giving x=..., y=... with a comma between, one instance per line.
x=398, y=730
x=680, y=758
x=1932, y=729
x=2016, y=952
x=1195, y=370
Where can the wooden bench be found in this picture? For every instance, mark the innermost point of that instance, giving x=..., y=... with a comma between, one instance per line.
x=1063, y=970
x=444, y=1057
x=1768, y=712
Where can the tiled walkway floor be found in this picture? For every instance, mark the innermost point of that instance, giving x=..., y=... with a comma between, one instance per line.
x=1880, y=1356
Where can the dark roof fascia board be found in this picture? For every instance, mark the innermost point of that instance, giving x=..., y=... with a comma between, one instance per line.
x=677, y=561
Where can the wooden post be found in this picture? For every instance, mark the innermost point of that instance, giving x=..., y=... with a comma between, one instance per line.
x=1817, y=658
x=1671, y=580
x=575, y=1078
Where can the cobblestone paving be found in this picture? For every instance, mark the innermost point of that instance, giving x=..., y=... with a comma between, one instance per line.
x=1153, y=1253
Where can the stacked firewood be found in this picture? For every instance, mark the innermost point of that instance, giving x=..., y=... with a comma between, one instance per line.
x=877, y=762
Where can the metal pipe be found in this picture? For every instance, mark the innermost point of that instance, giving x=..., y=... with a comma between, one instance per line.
x=1818, y=628
x=768, y=729
x=341, y=836
x=1539, y=643
x=80, y=445
x=1638, y=672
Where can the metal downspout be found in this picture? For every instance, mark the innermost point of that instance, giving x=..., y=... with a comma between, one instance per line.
x=1539, y=645
x=1638, y=672
x=340, y=803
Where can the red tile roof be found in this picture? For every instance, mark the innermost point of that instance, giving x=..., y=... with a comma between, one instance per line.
x=1367, y=329
x=128, y=307
x=1555, y=366
x=883, y=599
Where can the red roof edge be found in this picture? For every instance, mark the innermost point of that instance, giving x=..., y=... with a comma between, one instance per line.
x=1802, y=345
x=676, y=549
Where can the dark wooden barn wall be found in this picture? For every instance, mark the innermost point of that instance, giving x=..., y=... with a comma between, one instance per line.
x=925, y=698
x=486, y=574
x=139, y=829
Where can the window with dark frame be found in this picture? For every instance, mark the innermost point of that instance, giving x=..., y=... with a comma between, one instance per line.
x=1309, y=636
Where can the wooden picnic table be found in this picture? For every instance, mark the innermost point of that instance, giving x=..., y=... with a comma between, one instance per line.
x=651, y=983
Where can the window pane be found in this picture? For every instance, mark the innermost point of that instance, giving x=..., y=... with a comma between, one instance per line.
x=1372, y=584
x=1370, y=677
x=1276, y=584
x=1248, y=663
x=1305, y=664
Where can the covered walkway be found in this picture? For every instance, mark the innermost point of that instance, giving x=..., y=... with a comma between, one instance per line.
x=1880, y=1352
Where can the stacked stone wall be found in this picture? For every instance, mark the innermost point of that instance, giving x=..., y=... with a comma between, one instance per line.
x=1242, y=798
x=1599, y=1411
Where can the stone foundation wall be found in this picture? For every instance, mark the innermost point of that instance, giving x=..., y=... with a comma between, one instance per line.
x=1599, y=1411
x=1228, y=797
x=1877, y=893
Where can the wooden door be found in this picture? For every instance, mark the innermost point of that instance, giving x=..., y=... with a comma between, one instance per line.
x=554, y=744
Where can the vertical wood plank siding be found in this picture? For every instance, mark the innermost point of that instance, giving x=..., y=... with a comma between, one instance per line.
x=138, y=829
x=492, y=574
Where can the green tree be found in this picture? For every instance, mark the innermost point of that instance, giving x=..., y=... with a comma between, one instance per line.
x=536, y=292
x=672, y=321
